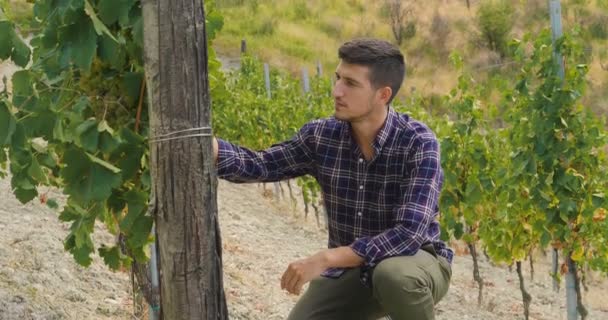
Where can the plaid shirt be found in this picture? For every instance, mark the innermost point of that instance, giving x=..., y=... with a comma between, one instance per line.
x=381, y=208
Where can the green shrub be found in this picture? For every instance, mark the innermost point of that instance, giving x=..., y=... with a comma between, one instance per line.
x=301, y=10
x=440, y=30
x=598, y=28
x=266, y=27
x=495, y=21
x=409, y=30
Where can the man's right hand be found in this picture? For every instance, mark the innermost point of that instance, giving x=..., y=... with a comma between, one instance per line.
x=215, y=149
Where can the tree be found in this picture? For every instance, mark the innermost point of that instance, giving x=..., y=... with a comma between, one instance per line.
x=401, y=25
x=184, y=201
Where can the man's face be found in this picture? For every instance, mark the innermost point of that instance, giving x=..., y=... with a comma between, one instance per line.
x=355, y=99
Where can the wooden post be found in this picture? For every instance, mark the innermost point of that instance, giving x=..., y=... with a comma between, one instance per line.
x=184, y=181
x=573, y=301
x=267, y=80
x=305, y=81
x=319, y=69
x=243, y=46
x=556, y=32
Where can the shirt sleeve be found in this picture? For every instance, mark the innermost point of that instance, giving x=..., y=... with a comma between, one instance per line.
x=286, y=160
x=414, y=212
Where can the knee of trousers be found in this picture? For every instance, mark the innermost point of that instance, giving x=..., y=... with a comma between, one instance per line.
x=391, y=277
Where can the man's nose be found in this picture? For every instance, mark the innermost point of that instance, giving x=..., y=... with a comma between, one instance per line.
x=337, y=90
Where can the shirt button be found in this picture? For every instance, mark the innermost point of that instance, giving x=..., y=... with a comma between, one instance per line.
x=359, y=213
x=361, y=187
x=360, y=160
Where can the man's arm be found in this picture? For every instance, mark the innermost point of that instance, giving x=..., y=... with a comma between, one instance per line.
x=285, y=160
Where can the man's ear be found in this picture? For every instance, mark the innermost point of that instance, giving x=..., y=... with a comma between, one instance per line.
x=385, y=94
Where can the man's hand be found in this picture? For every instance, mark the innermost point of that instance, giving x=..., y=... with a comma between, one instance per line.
x=302, y=271
x=216, y=148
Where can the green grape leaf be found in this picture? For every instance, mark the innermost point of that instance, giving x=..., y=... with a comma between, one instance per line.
x=40, y=124
x=52, y=203
x=23, y=92
x=111, y=256
x=131, y=153
x=82, y=255
x=140, y=232
x=87, y=135
x=88, y=178
x=21, y=52
x=82, y=229
x=7, y=124
x=35, y=171
x=458, y=230
x=42, y=9
x=112, y=52
x=132, y=84
x=139, y=253
x=72, y=212
x=107, y=142
x=214, y=23
x=25, y=195
x=138, y=31
x=80, y=42
x=116, y=203
x=136, y=204
x=111, y=11
x=578, y=253
x=6, y=39
x=59, y=130
x=99, y=27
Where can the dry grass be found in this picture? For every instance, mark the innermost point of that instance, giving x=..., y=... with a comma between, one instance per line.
x=298, y=41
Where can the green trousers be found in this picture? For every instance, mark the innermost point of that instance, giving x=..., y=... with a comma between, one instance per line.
x=405, y=288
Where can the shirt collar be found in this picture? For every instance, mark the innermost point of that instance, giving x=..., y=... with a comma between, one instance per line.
x=389, y=123
x=386, y=130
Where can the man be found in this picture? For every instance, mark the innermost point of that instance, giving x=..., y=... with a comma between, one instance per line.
x=381, y=178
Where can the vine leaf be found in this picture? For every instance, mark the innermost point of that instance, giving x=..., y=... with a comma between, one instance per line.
x=87, y=177
x=80, y=42
x=111, y=11
x=7, y=124
x=99, y=27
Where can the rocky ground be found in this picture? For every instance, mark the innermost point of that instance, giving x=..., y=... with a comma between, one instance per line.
x=261, y=235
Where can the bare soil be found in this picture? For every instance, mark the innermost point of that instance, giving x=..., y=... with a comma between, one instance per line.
x=261, y=235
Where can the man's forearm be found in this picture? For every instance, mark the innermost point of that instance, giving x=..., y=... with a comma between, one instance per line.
x=342, y=257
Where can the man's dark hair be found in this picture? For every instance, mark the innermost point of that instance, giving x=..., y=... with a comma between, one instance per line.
x=385, y=61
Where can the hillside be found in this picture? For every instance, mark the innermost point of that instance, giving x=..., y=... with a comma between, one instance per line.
x=295, y=34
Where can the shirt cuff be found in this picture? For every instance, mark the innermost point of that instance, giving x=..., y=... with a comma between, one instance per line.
x=333, y=273
x=366, y=249
x=225, y=158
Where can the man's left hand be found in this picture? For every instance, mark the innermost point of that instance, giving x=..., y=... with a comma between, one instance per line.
x=302, y=271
